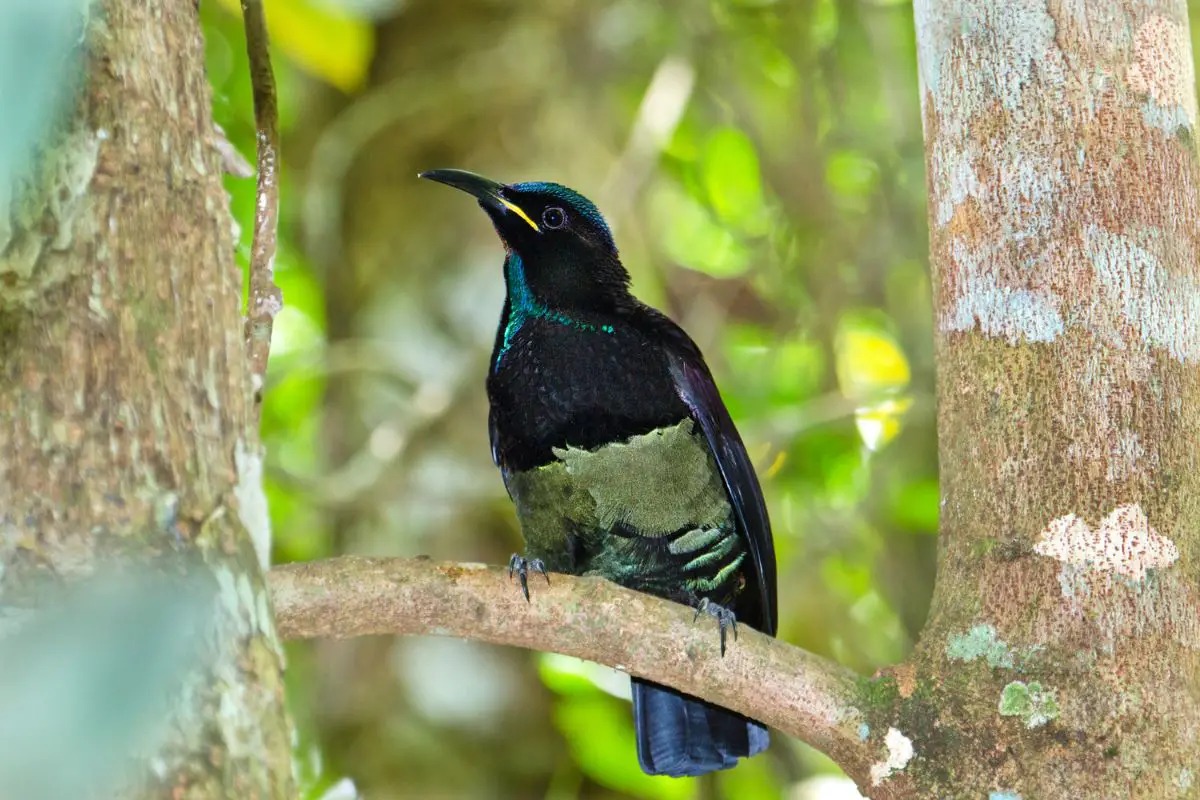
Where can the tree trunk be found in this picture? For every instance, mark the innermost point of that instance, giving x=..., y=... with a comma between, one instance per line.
x=126, y=427
x=1062, y=653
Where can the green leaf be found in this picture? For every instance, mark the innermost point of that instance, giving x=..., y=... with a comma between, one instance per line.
x=331, y=44
x=599, y=732
x=693, y=239
x=916, y=504
x=853, y=178
x=824, y=24
x=733, y=181
x=752, y=777
x=567, y=675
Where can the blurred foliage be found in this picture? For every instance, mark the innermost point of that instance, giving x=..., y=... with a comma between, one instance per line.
x=321, y=39
x=67, y=731
x=761, y=163
x=762, y=166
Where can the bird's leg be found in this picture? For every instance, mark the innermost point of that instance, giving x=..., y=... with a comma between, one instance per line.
x=726, y=619
x=522, y=566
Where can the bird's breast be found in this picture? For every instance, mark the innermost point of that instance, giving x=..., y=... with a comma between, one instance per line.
x=561, y=385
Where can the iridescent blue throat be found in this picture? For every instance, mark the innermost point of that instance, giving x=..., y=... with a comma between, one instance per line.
x=523, y=306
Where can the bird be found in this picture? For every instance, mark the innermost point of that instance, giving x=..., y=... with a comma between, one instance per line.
x=618, y=452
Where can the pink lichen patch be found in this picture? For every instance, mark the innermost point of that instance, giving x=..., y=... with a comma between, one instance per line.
x=1162, y=65
x=1124, y=543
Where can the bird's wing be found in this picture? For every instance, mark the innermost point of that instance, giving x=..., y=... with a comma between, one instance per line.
x=493, y=435
x=493, y=438
x=699, y=392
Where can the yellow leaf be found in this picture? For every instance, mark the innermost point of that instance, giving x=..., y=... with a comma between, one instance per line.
x=869, y=361
x=776, y=465
x=334, y=46
x=879, y=424
x=873, y=371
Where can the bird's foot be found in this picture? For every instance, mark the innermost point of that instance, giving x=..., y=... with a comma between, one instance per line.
x=726, y=619
x=521, y=567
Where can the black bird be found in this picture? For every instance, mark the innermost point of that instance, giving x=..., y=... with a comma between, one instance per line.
x=619, y=453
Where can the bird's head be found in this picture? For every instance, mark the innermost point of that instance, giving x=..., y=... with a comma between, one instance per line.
x=568, y=257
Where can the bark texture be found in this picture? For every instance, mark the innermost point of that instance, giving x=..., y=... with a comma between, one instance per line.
x=125, y=416
x=1062, y=653
x=797, y=692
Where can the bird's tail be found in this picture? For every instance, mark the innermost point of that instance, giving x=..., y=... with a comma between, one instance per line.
x=680, y=735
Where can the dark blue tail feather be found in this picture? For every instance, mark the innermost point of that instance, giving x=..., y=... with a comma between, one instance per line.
x=680, y=735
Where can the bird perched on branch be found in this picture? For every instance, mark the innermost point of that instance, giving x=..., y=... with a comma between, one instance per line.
x=619, y=453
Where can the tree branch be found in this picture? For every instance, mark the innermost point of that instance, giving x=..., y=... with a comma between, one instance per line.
x=265, y=298
x=799, y=693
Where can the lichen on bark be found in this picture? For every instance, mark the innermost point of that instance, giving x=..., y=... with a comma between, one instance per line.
x=1062, y=650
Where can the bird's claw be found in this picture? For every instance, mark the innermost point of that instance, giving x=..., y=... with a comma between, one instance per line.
x=726, y=619
x=521, y=567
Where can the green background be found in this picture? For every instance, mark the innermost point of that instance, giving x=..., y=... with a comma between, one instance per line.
x=762, y=165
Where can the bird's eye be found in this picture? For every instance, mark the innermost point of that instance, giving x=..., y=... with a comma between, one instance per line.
x=554, y=217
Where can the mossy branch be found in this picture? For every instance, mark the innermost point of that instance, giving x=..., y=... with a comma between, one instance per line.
x=794, y=691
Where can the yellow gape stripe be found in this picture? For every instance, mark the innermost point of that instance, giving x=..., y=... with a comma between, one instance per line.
x=513, y=207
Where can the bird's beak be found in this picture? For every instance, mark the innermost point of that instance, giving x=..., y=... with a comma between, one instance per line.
x=489, y=193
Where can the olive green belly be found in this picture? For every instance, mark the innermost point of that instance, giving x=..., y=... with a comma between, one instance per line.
x=650, y=512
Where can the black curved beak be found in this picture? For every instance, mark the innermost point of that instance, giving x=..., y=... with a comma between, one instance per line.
x=487, y=191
